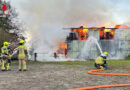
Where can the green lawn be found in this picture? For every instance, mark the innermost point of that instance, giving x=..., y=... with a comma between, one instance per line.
x=122, y=64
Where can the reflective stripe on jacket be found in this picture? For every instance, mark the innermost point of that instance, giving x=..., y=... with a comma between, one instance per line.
x=21, y=51
x=4, y=50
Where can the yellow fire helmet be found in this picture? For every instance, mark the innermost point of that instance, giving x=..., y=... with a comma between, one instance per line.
x=5, y=43
x=106, y=53
x=22, y=41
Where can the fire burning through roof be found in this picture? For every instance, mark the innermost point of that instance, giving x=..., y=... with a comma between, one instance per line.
x=82, y=33
x=105, y=33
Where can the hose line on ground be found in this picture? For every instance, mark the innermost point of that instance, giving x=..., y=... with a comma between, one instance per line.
x=94, y=72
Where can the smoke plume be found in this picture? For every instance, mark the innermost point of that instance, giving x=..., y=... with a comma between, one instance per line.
x=46, y=18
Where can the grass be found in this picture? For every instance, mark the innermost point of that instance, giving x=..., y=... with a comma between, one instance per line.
x=122, y=64
x=117, y=64
x=89, y=63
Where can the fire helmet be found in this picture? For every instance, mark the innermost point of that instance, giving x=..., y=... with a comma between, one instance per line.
x=22, y=41
x=106, y=53
x=5, y=43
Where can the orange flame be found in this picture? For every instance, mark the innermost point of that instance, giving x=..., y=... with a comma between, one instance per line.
x=82, y=33
x=62, y=49
x=121, y=26
x=63, y=45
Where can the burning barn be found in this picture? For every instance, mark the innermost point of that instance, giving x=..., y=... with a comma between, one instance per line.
x=88, y=43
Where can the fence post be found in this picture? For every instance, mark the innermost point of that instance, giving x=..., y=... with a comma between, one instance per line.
x=35, y=57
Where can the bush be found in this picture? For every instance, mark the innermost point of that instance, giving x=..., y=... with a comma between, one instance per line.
x=127, y=58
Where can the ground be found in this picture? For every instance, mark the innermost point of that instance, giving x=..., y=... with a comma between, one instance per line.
x=62, y=76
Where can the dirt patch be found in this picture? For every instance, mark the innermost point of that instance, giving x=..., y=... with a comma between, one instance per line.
x=57, y=77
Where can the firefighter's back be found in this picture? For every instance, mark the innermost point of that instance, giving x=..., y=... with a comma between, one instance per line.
x=99, y=60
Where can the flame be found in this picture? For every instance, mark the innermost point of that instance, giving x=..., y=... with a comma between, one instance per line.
x=106, y=30
x=82, y=33
x=62, y=49
x=74, y=30
x=121, y=26
x=103, y=32
x=63, y=45
x=106, y=34
x=85, y=30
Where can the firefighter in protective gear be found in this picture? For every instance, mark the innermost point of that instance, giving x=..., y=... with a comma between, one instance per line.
x=22, y=55
x=4, y=54
x=9, y=56
x=100, y=62
x=0, y=59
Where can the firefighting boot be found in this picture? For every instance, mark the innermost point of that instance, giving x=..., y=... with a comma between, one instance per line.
x=20, y=69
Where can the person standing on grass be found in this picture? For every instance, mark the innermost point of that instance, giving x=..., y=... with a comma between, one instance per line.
x=22, y=55
x=4, y=56
x=9, y=56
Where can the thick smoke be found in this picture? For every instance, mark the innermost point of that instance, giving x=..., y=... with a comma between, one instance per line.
x=46, y=18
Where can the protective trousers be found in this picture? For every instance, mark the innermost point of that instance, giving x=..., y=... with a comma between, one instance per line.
x=22, y=64
x=4, y=65
x=8, y=64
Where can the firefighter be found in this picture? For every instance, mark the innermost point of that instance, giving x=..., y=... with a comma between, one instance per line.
x=100, y=62
x=22, y=55
x=9, y=56
x=0, y=59
x=4, y=54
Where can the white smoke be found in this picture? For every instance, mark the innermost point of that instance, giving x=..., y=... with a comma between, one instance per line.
x=46, y=18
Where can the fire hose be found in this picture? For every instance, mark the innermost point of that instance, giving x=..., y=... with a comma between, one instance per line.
x=94, y=72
